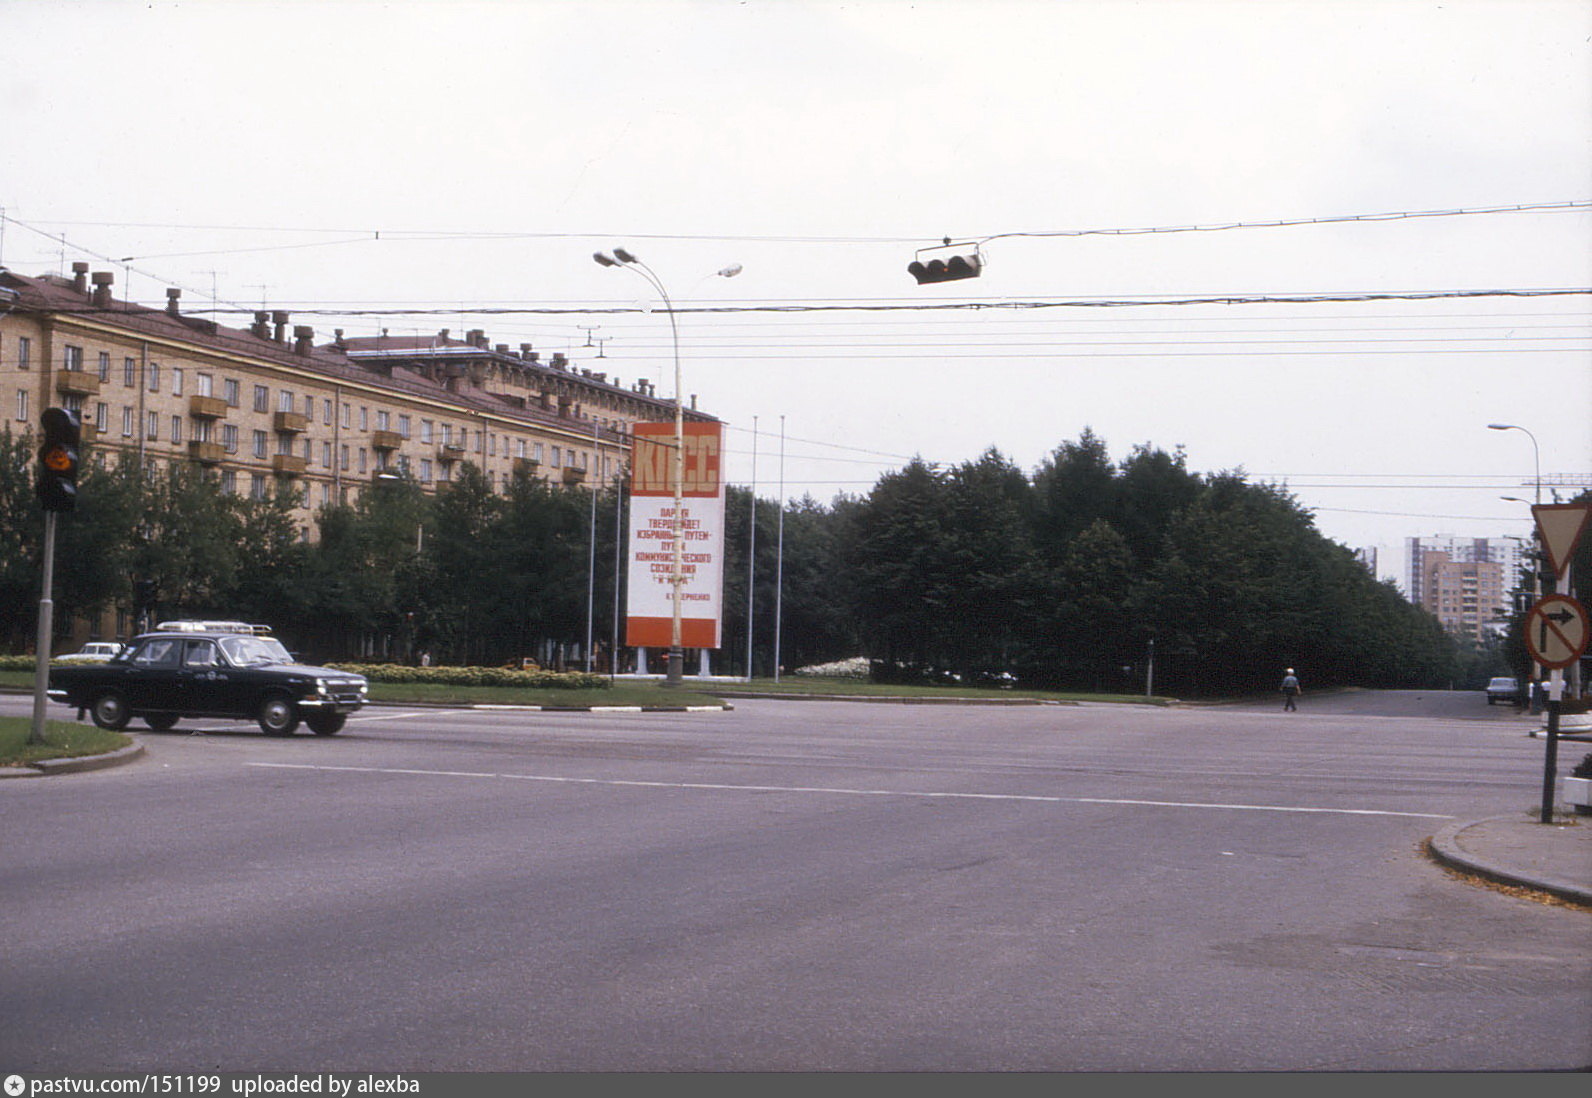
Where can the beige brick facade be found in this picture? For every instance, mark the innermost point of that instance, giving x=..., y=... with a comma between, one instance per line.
x=265, y=405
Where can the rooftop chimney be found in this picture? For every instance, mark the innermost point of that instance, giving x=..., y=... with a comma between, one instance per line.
x=262, y=325
x=102, y=288
x=80, y=277
x=173, y=294
x=280, y=319
x=303, y=339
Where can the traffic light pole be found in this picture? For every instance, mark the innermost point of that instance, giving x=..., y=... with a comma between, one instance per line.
x=41, y=675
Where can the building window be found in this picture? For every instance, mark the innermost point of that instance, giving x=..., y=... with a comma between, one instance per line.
x=262, y=399
x=22, y=404
x=229, y=481
x=326, y=455
x=256, y=486
x=152, y=427
x=73, y=359
x=345, y=415
x=403, y=427
x=425, y=431
x=326, y=411
x=154, y=377
x=425, y=470
x=176, y=429
x=284, y=401
x=361, y=459
x=229, y=391
x=201, y=430
x=127, y=422
x=207, y=385
x=176, y=381
x=24, y=353
x=558, y=457
x=105, y=366
x=259, y=444
x=536, y=453
x=364, y=419
x=382, y=421
x=129, y=372
x=344, y=458
x=229, y=437
x=309, y=408
x=102, y=415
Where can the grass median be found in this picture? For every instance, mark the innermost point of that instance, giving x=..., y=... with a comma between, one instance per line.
x=62, y=740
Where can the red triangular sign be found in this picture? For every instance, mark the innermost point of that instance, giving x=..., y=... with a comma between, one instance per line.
x=1561, y=526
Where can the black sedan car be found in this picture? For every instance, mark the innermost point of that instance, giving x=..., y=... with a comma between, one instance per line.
x=209, y=669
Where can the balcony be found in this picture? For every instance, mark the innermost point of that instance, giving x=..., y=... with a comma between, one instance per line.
x=529, y=466
x=288, y=465
x=206, y=453
x=450, y=451
x=77, y=383
x=574, y=475
x=386, y=440
x=207, y=407
x=290, y=423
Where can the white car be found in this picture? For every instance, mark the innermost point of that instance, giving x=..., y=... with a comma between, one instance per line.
x=93, y=652
x=1502, y=689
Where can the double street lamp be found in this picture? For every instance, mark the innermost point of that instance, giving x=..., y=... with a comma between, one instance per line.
x=628, y=261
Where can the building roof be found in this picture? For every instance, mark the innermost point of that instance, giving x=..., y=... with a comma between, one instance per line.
x=381, y=362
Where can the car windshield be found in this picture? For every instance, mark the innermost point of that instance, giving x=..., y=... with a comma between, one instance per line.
x=254, y=651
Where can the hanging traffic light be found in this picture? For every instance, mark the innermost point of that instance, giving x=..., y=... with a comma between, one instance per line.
x=946, y=263
x=58, y=457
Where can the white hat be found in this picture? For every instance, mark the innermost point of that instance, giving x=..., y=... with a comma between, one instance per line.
x=1290, y=670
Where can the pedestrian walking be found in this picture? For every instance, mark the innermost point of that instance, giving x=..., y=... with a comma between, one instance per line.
x=1290, y=691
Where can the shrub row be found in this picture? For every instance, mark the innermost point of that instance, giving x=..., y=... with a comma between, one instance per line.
x=476, y=676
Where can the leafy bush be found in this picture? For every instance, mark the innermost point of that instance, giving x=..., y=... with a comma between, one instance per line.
x=476, y=676
x=854, y=668
x=18, y=663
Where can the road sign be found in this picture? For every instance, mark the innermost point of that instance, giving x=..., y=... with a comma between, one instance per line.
x=1557, y=631
x=1561, y=526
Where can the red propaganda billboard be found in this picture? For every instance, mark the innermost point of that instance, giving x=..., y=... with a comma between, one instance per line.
x=649, y=612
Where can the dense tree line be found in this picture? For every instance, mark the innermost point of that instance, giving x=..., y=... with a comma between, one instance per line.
x=1070, y=576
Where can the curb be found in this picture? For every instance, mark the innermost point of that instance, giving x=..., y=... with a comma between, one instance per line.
x=1445, y=849
x=597, y=708
x=46, y=767
x=887, y=699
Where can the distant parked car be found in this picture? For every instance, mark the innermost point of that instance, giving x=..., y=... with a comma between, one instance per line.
x=1502, y=689
x=93, y=652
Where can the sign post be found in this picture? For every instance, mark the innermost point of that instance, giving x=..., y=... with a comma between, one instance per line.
x=1557, y=627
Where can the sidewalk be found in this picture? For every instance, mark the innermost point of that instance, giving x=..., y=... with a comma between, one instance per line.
x=1521, y=850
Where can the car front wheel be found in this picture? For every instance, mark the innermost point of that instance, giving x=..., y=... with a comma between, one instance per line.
x=110, y=711
x=278, y=716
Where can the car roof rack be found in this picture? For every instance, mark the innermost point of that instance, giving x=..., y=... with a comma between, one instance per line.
x=213, y=627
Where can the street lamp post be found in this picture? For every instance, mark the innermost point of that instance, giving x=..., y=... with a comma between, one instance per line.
x=628, y=261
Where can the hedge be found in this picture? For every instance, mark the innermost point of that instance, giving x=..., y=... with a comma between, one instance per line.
x=476, y=676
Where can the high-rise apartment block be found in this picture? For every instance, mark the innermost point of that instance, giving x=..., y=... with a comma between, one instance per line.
x=1465, y=582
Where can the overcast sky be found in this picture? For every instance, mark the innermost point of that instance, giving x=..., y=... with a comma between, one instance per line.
x=446, y=157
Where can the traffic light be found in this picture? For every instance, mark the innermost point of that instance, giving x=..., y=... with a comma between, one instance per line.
x=946, y=264
x=58, y=457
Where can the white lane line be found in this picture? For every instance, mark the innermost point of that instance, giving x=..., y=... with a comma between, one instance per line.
x=715, y=787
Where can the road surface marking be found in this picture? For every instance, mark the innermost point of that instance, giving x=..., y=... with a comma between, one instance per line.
x=722, y=788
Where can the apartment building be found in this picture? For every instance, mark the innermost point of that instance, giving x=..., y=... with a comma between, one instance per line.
x=1466, y=582
x=266, y=405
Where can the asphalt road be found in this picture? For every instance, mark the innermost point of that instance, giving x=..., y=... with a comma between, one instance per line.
x=792, y=885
